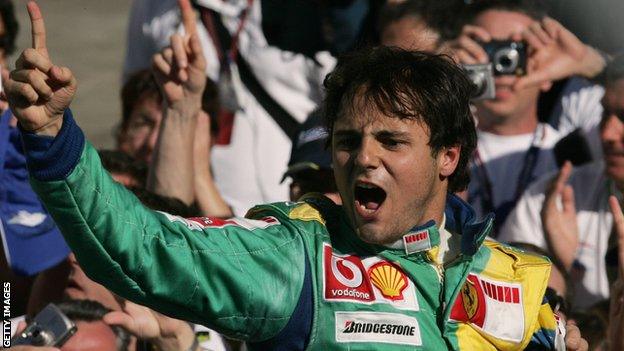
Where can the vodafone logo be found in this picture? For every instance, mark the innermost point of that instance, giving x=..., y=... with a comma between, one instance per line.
x=345, y=278
x=355, y=273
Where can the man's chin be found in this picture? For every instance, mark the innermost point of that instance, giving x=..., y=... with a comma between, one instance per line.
x=374, y=233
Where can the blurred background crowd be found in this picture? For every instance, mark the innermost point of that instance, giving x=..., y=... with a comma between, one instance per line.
x=549, y=109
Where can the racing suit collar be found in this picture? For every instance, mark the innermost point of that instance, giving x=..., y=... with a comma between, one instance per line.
x=420, y=238
x=461, y=219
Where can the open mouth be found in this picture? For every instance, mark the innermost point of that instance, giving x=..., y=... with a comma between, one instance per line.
x=368, y=198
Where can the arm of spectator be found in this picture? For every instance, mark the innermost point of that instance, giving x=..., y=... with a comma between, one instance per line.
x=39, y=91
x=559, y=222
x=557, y=53
x=558, y=216
x=179, y=71
x=166, y=333
x=207, y=195
x=615, y=330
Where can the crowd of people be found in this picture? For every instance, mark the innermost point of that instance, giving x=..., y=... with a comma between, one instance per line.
x=360, y=174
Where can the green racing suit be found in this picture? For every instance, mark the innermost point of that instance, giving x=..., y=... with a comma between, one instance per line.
x=294, y=275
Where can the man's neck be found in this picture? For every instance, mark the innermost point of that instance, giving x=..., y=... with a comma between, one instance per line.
x=508, y=125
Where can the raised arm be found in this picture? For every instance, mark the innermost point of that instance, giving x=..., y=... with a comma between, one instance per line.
x=241, y=277
x=180, y=72
x=181, y=167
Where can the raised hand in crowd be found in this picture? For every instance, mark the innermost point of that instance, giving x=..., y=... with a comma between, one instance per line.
x=179, y=71
x=615, y=332
x=558, y=54
x=559, y=218
x=165, y=333
x=181, y=166
x=38, y=90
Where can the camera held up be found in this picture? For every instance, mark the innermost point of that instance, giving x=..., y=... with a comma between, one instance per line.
x=50, y=327
x=506, y=58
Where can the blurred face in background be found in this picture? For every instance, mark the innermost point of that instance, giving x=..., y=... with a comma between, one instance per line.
x=612, y=131
x=138, y=137
x=508, y=103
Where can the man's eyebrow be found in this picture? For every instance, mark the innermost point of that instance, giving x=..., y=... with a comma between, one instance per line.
x=391, y=134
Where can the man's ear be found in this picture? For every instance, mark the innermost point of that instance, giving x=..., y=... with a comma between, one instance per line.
x=448, y=158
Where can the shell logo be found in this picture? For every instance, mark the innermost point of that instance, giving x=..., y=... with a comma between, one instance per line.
x=389, y=280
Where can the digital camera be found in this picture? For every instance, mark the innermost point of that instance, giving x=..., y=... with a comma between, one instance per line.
x=50, y=327
x=507, y=57
x=482, y=77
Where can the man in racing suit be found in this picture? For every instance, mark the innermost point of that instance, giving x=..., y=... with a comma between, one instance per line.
x=401, y=265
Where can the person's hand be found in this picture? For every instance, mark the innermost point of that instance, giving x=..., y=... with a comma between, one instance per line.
x=560, y=225
x=573, y=339
x=466, y=49
x=615, y=329
x=180, y=68
x=165, y=332
x=37, y=90
x=556, y=53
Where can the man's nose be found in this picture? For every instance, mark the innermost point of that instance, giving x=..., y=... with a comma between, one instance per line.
x=368, y=154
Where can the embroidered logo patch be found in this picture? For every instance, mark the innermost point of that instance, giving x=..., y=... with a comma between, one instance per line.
x=417, y=242
x=366, y=280
x=345, y=278
x=200, y=223
x=388, y=328
x=389, y=280
x=489, y=305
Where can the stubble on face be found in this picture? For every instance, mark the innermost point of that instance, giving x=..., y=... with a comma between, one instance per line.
x=385, y=172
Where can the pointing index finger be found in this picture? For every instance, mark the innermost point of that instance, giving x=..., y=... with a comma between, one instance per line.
x=188, y=17
x=37, y=27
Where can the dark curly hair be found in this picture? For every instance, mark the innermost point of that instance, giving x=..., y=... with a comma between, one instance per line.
x=93, y=311
x=412, y=85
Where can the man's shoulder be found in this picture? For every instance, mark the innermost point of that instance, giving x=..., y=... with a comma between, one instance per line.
x=508, y=259
x=311, y=209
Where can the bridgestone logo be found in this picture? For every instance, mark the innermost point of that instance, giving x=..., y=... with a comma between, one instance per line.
x=389, y=328
x=350, y=293
x=395, y=329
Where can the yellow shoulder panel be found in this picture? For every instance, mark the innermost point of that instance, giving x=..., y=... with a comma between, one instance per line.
x=305, y=212
x=516, y=270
